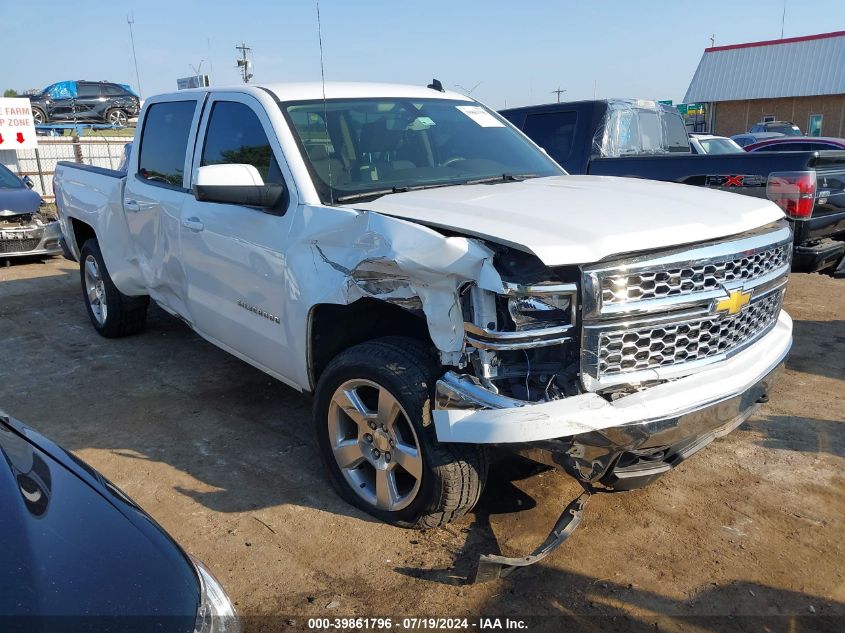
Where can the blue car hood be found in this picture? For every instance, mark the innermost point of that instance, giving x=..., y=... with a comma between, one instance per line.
x=18, y=201
x=74, y=545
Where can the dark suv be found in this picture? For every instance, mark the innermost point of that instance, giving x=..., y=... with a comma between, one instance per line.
x=787, y=128
x=99, y=101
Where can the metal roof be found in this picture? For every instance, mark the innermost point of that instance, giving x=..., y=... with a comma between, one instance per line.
x=792, y=67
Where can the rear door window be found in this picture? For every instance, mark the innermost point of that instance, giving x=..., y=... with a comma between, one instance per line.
x=87, y=91
x=675, y=133
x=553, y=131
x=164, y=142
x=235, y=135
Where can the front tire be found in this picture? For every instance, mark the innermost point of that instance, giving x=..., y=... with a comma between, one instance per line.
x=39, y=117
x=112, y=313
x=376, y=437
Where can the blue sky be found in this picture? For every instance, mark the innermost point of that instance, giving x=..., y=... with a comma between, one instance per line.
x=518, y=51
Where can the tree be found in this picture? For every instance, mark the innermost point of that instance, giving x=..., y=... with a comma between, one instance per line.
x=9, y=92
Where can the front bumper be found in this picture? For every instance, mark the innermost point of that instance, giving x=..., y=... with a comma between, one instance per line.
x=31, y=241
x=630, y=438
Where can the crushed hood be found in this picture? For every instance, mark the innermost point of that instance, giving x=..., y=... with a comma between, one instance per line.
x=581, y=219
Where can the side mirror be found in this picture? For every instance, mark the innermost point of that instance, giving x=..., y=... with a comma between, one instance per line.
x=28, y=182
x=235, y=184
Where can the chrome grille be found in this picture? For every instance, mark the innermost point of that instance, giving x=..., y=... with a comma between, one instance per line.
x=18, y=246
x=654, y=316
x=688, y=280
x=648, y=347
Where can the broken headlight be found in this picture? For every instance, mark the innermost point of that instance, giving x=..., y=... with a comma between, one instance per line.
x=540, y=306
x=529, y=312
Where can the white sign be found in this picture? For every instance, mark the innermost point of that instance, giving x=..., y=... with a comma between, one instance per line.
x=17, y=129
x=480, y=116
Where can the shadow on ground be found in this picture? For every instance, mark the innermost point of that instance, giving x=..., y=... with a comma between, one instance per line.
x=807, y=435
x=819, y=348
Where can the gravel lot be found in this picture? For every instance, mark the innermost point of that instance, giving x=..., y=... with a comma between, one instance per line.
x=222, y=457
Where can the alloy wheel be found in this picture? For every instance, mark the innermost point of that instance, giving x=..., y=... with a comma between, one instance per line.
x=375, y=445
x=95, y=290
x=118, y=117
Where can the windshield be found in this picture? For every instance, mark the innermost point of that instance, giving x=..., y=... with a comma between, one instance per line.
x=8, y=180
x=360, y=147
x=720, y=146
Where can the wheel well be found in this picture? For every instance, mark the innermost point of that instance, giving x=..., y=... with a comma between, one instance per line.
x=335, y=328
x=82, y=232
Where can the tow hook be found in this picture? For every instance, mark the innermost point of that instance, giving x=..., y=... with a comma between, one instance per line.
x=490, y=566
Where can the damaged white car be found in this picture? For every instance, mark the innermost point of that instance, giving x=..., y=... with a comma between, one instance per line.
x=24, y=230
x=439, y=284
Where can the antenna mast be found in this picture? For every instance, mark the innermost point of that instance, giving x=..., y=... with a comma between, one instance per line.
x=244, y=64
x=130, y=20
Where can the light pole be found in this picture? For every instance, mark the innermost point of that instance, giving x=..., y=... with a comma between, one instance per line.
x=130, y=20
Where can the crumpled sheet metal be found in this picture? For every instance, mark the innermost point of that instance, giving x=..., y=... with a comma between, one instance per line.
x=395, y=260
x=707, y=392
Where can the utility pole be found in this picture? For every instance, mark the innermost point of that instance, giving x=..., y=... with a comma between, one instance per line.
x=130, y=20
x=782, y=19
x=243, y=63
x=713, y=40
x=558, y=92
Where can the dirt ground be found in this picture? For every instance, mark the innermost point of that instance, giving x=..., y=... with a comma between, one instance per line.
x=222, y=457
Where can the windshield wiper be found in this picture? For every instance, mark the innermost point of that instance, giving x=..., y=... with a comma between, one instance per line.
x=398, y=189
x=503, y=178
x=402, y=189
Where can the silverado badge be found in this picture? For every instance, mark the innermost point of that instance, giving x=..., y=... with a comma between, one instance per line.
x=736, y=301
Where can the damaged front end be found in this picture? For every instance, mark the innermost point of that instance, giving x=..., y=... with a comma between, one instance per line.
x=616, y=372
x=28, y=234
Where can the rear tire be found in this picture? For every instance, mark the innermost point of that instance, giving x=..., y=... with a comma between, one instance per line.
x=117, y=117
x=112, y=313
x=39, y=117
x=428, y=483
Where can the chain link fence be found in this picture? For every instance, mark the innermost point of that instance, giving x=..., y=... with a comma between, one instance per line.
x=40, y=164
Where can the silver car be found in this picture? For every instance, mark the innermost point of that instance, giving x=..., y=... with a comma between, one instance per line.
x=24, y=230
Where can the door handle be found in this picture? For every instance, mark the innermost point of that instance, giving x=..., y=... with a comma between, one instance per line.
x=193, y=224
x=131, y=205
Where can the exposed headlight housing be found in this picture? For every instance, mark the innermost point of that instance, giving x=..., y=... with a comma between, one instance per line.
x=529, y=312
x=216, y=613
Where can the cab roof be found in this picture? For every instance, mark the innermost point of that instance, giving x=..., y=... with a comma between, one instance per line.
x=304, y=91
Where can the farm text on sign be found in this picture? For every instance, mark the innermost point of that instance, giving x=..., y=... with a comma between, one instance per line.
x=17, y=129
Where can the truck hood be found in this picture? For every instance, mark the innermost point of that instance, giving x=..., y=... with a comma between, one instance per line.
x=581, y=219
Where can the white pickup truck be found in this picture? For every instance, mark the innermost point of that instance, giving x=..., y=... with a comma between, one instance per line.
x=438, y=284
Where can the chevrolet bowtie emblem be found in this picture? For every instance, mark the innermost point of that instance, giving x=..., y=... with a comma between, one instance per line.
x=736, y=301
